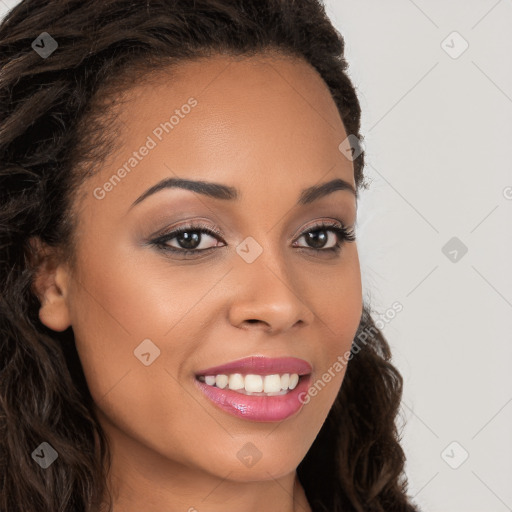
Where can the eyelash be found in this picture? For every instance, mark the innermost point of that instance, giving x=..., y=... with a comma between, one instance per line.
x=343, y=233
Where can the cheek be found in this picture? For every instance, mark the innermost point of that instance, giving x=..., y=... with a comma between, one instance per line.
x=142, y=296
x=340, y=302
x=113, y=318
x=339, y=311
x=118, y=304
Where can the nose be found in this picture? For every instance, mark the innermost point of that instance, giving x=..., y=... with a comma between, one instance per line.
x=268, y=296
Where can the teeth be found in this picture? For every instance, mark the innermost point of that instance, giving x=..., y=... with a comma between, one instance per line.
x=236, y=381
x=210, y=380
x=221, y=381
x=254, y=384
x=274, y=384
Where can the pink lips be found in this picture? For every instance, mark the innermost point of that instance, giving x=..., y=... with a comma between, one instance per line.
x=259, y=408
x=262, y=366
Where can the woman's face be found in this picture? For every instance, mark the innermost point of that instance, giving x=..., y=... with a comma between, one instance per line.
x=147, y=319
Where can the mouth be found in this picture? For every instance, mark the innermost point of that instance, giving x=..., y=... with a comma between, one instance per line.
x=257, y=388
x=254, y=384
x=257, y=375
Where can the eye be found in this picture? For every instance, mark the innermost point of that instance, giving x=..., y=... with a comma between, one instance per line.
x=318, y=237
x=189, y=238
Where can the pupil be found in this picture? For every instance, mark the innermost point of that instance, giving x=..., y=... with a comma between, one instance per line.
x=314, y=236
x=187, y=241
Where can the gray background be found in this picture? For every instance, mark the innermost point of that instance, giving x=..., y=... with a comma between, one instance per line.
x=437, y=123
x=438, y=133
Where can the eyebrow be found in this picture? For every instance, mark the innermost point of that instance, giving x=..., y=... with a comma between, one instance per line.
x=225, y=192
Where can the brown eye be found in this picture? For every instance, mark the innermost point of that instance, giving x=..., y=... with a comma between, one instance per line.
x=317, y=237
x=190, y=239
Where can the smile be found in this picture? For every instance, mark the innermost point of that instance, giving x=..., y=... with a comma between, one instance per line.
x=255, y=406
x=251, y=384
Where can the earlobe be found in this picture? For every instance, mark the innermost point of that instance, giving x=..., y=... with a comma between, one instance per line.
x=51, y=287
x=54, y=311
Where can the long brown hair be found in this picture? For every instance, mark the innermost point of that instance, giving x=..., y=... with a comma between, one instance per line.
x=356, y=462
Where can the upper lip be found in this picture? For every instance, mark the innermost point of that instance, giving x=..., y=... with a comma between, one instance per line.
x=261, y=365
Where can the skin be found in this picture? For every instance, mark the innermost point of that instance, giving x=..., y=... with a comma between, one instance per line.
x=268, y=126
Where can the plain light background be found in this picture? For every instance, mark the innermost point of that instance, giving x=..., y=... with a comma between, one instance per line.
x=437, y=127
x=438, y=136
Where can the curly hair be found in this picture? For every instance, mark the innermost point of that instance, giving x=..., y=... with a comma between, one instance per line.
x=53, y=133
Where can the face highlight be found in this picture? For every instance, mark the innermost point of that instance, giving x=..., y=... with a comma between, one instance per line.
x=147, y=316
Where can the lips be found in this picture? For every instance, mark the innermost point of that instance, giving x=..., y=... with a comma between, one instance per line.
x=257, y=408
x=261, y=365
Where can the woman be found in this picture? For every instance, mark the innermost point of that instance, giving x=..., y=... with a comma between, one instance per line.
x=179, y=271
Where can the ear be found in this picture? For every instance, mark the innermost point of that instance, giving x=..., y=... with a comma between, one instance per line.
x=50, y=285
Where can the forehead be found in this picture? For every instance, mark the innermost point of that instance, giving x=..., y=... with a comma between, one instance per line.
x=236, y=120
x=228, y=79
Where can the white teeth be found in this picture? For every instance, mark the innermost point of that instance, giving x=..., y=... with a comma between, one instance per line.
x=254, y=383
x=294, y=379
x=210, y=380
x=271, y=384
x=221, y=381
x=274, y=384
x=236, y=381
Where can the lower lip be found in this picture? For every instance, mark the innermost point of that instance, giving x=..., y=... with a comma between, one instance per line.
x=257, y=408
